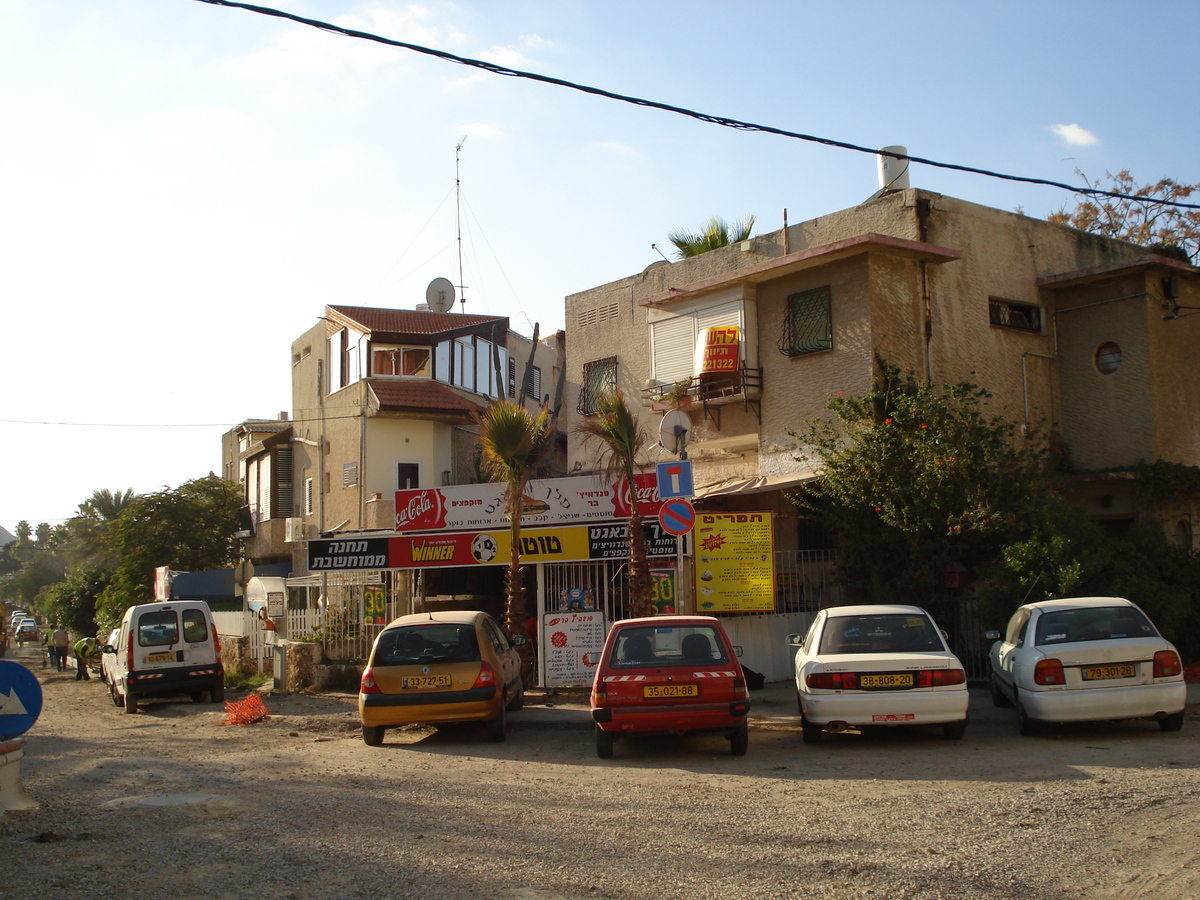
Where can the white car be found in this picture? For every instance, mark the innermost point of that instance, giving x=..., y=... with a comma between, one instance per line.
x=108, y=660
x=862, y=666
x=1086, y=659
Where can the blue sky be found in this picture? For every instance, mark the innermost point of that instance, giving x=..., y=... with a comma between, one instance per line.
x=185, y=186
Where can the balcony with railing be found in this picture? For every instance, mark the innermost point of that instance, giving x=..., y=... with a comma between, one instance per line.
x=710, y=391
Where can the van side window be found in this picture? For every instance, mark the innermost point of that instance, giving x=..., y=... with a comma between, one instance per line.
x=195, y=628
x=157, y=628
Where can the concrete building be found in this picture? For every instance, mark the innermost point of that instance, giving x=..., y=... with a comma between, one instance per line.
x=1074, y=333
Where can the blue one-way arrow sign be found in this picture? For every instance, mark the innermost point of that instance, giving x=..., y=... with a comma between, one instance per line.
x=20, y=700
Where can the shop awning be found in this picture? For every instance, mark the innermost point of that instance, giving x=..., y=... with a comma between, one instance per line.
x=755, y=484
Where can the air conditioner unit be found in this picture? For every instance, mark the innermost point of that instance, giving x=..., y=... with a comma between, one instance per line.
x=293, y=531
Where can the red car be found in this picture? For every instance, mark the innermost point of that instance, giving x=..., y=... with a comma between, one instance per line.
x=669, y=675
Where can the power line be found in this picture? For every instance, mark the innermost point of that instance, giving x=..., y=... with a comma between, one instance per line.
x=703, y=117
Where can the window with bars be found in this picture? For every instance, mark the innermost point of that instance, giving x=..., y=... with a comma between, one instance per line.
x=599, y=378
x=1018, y=316
x=808, y=325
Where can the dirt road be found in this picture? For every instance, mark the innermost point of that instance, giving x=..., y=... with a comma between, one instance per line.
x=171, y=803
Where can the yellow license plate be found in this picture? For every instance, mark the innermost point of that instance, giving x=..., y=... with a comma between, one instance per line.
x=427, y=681
x=159, y=657
x=892, y=679
x=659, y=691
x=1096, y=673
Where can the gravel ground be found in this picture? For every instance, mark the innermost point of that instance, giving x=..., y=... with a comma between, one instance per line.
x=172, y=803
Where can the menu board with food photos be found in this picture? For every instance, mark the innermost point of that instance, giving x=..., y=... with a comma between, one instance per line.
x=734, y=555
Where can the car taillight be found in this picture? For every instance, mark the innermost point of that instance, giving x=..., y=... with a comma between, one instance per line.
x=216, y=639
x=1049, y=671
x=487, y=676
x=940, y=677
x=1166, y=663
x=599, y=693
x=739, y=689
x=368, y=685
x=129, y=652
x=833, y=681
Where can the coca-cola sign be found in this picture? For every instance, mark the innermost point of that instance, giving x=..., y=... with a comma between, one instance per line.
x=550, y=501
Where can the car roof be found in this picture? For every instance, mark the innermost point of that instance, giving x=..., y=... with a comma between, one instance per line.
x=1079, y=602
x=880, y=609
x=668, y=621
x=449, y=617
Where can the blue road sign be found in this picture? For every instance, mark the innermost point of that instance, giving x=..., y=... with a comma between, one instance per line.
x=677, y=517
x=20, y=700
x=675, y=479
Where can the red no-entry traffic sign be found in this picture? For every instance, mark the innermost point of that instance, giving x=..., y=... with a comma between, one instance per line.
x=677, y=517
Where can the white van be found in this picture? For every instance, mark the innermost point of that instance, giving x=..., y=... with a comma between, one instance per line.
x=166, y=648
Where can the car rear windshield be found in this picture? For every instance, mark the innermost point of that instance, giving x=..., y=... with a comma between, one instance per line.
x=155, y=629
x=888, y=633
x=1095, y=623
x=687, y=645
x=417, y=644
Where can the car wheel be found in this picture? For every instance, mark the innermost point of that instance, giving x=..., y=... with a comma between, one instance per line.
x=1173, y=722
x=1025, y=725
x=1000, y=699
x=954, y=731
x=810, y=733
x=739, y=741
x=518, y=699
x=372, y=735
x=497, y=728
x=604, y=743
x=130, y=701
x=113, y=695
x=799, y=704
x=217, y=694
x=197, y=696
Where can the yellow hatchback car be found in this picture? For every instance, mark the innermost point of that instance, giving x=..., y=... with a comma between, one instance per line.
x=435, y=668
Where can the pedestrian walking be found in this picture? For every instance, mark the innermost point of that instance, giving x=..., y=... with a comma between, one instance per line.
x=84, y=651
x=59, y=642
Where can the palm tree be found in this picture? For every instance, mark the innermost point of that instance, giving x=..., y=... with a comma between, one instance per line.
x=514, y=445
x=717, y=233
x=615, y=426
x=87, y=529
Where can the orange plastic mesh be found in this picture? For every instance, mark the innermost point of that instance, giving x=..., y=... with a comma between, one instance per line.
x=245, y=712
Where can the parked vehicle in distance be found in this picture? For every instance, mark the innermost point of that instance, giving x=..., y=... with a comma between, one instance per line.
x=669, y=675
x=27, y=630
x=877, y=665
x=108, y=660
x=1086, y=659
x=165, y=648
x=437, y=668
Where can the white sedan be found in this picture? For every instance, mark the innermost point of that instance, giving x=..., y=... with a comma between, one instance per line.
x=1086, y=659
x=862, y=666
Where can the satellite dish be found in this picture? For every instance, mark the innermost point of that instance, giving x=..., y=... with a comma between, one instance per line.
x=673, y=432
x=440, y=295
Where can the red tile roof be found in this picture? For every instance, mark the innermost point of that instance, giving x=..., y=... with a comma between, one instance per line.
x=413, y=321
x=413, y=395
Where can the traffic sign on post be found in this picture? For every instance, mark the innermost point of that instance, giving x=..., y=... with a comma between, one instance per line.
x=677, y=517
x=20, y=700
x=675, y=479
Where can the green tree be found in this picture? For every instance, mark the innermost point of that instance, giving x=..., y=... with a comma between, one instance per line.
x=1147, y=222
x=190, y=528
x=24, y=531
x=616, y=428
x=717, y=233
x=515, y=444
x=72, y=602
x=915, y=479
x=85, y=532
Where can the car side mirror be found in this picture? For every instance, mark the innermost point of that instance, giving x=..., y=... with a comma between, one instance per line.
x=794, y=640
x=592, y=658
x=737, y=650
x=519, y=640
x=991, y=635
x=108, y=648
x=945, y=635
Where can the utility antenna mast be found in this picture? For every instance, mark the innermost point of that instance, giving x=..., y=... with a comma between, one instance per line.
x=458, y=221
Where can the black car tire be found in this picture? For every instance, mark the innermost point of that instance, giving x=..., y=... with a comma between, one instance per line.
x=1027, y=726
x=1173, y=722
x=810, y=733
x=217, y=694
x=113, y=695
x=372, y=735
x=799, y=704
x=604, y=743
x=739, y=741
x=497, y=728
x=1000, y=699
x=197, y=696
x=130, y=701
x=954, y=731
x=518, y=698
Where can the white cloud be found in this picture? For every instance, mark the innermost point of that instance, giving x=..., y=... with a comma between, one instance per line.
x=1076, y=135
x=480, y=129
